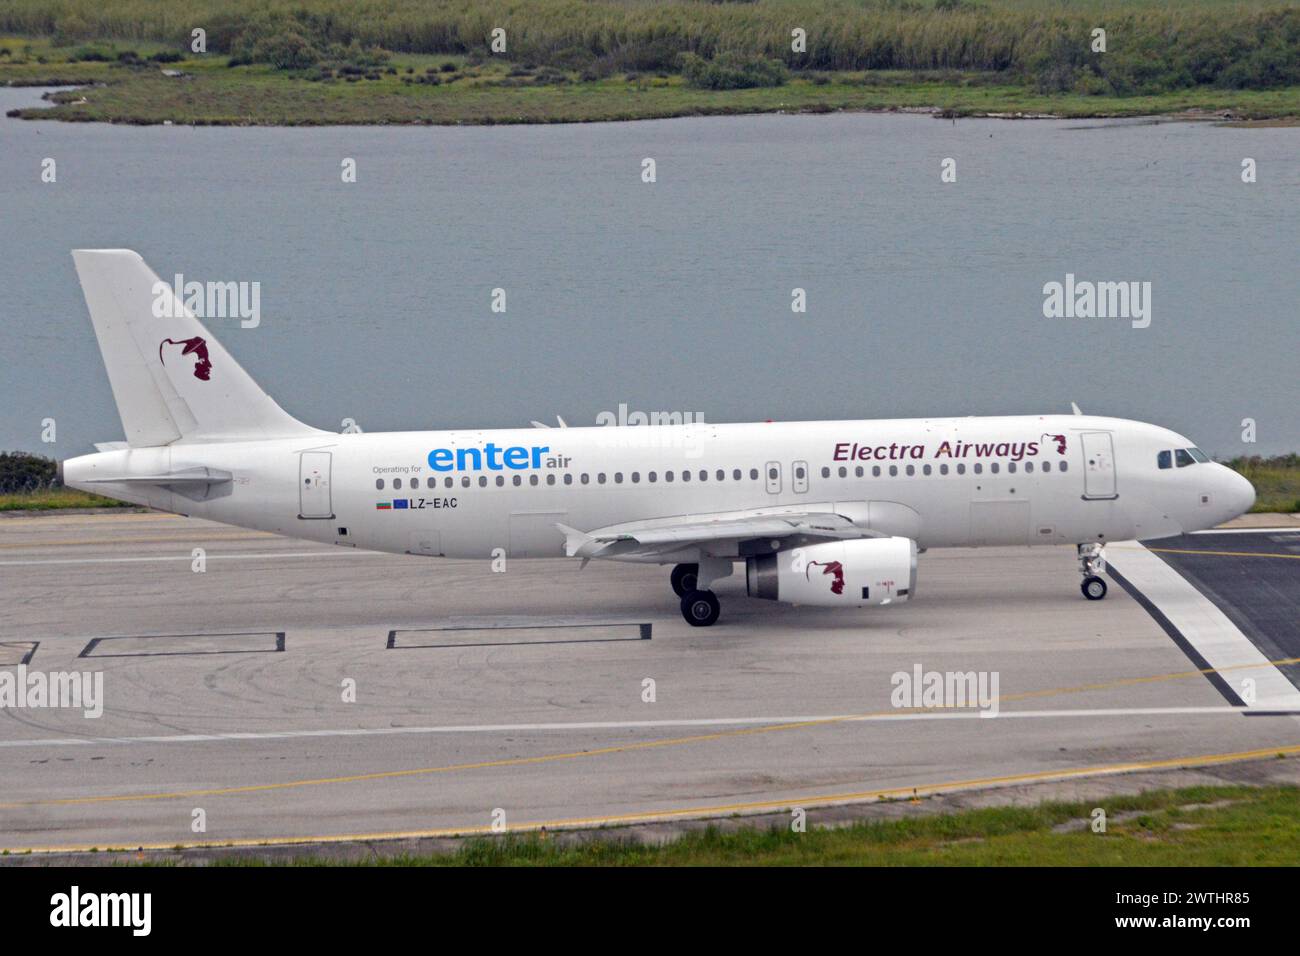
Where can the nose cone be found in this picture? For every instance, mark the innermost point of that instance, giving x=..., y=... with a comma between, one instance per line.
x=1240, y=493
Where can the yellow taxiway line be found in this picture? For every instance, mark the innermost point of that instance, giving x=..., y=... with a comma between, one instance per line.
x=747, y=808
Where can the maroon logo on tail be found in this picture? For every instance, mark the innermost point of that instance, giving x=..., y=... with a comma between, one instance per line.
x=833, y=568
x=203, y=366
x=1060, y=442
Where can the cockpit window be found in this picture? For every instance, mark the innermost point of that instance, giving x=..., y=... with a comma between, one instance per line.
x=1199, y=455
x=1165, y=459
x=1183, y=458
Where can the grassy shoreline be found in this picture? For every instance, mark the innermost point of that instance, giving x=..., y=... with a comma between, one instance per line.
x=420, y=89
x=1192, y=826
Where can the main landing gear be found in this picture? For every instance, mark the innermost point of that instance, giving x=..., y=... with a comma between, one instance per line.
x=691, y=583
x=1092, y=562
x=684, y=577
x=700, y=608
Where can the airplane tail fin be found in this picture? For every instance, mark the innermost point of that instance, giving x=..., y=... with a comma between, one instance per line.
x=172, y=381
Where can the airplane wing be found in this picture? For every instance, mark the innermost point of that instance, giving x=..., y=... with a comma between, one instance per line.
x=672, y=534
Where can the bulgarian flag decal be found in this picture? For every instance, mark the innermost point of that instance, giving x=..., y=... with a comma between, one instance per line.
x=383, y=506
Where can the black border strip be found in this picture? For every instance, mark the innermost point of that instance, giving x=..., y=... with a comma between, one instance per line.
x=1214, y=677
x=88, y=650
x=643, y=630
x=27, y=658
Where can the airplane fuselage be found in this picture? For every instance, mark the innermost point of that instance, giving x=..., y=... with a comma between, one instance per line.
x=943, y=482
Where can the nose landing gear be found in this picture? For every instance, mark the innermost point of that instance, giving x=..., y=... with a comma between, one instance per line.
x=1092, y=562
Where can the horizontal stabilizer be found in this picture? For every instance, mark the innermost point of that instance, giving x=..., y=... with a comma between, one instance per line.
x=186, y=476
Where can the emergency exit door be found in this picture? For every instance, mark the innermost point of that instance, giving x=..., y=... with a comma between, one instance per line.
x=314, y=499
x=772, y=472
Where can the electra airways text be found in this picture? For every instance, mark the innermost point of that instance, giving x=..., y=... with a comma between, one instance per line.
x=828, y=514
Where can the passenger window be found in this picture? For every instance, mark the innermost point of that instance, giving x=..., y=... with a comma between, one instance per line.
x=995, y=467
x=668, y=475
x=397, y=482
x=550, y=479
x=1029, y=467
x=651, y=477
x=925, y=470
x=735, y=475
x=501, y=480
x=875, y=471
x=1065, y=466
x=1183, y=459
x=618, y=477
x=532, y=479
x=893, y=471
x=464, y=482
x=979, y=468
x=568, y=479
x=447, y=482
x=799, y=472
x=704, y=475
x=943, y=469
x=721, y=475
x=1011, y=467
x=826, y=473
x=586, y=478
x=379, y=483
x=911, y=470
x=636, y=477
x=753, y=474
x=686, y=476
x=600, y=478
x=844, y=472
x=961, y=469
x=1047, y=466
x=771, y=474
x=517, y=480
x=433, y=482
x=1165, y=459
x=858, y=471
x=482, y=481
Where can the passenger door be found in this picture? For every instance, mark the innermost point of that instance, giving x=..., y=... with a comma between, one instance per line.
x=314, y=498
x=1098, y=466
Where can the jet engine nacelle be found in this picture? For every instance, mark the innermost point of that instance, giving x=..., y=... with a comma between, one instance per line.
x=837, y=573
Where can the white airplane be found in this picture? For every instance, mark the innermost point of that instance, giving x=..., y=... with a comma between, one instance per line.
x=821, y=513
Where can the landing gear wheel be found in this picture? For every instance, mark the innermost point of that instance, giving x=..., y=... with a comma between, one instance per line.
x=684, y=576
x=1093, y=588
x=700, y=608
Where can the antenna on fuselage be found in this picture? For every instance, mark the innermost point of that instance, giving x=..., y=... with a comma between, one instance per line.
x=1075, y=408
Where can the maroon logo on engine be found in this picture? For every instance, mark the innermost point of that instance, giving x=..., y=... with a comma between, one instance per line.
x=196, y=346
x=1060, y=442
x=834, y=569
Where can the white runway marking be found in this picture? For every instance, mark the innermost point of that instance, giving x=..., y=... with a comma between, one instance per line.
x=1293, y=529
x=211, y=556
x=640, y=725
x=1203, y=625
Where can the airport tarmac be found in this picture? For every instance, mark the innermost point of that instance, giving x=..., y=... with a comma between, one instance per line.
x=519, y=698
